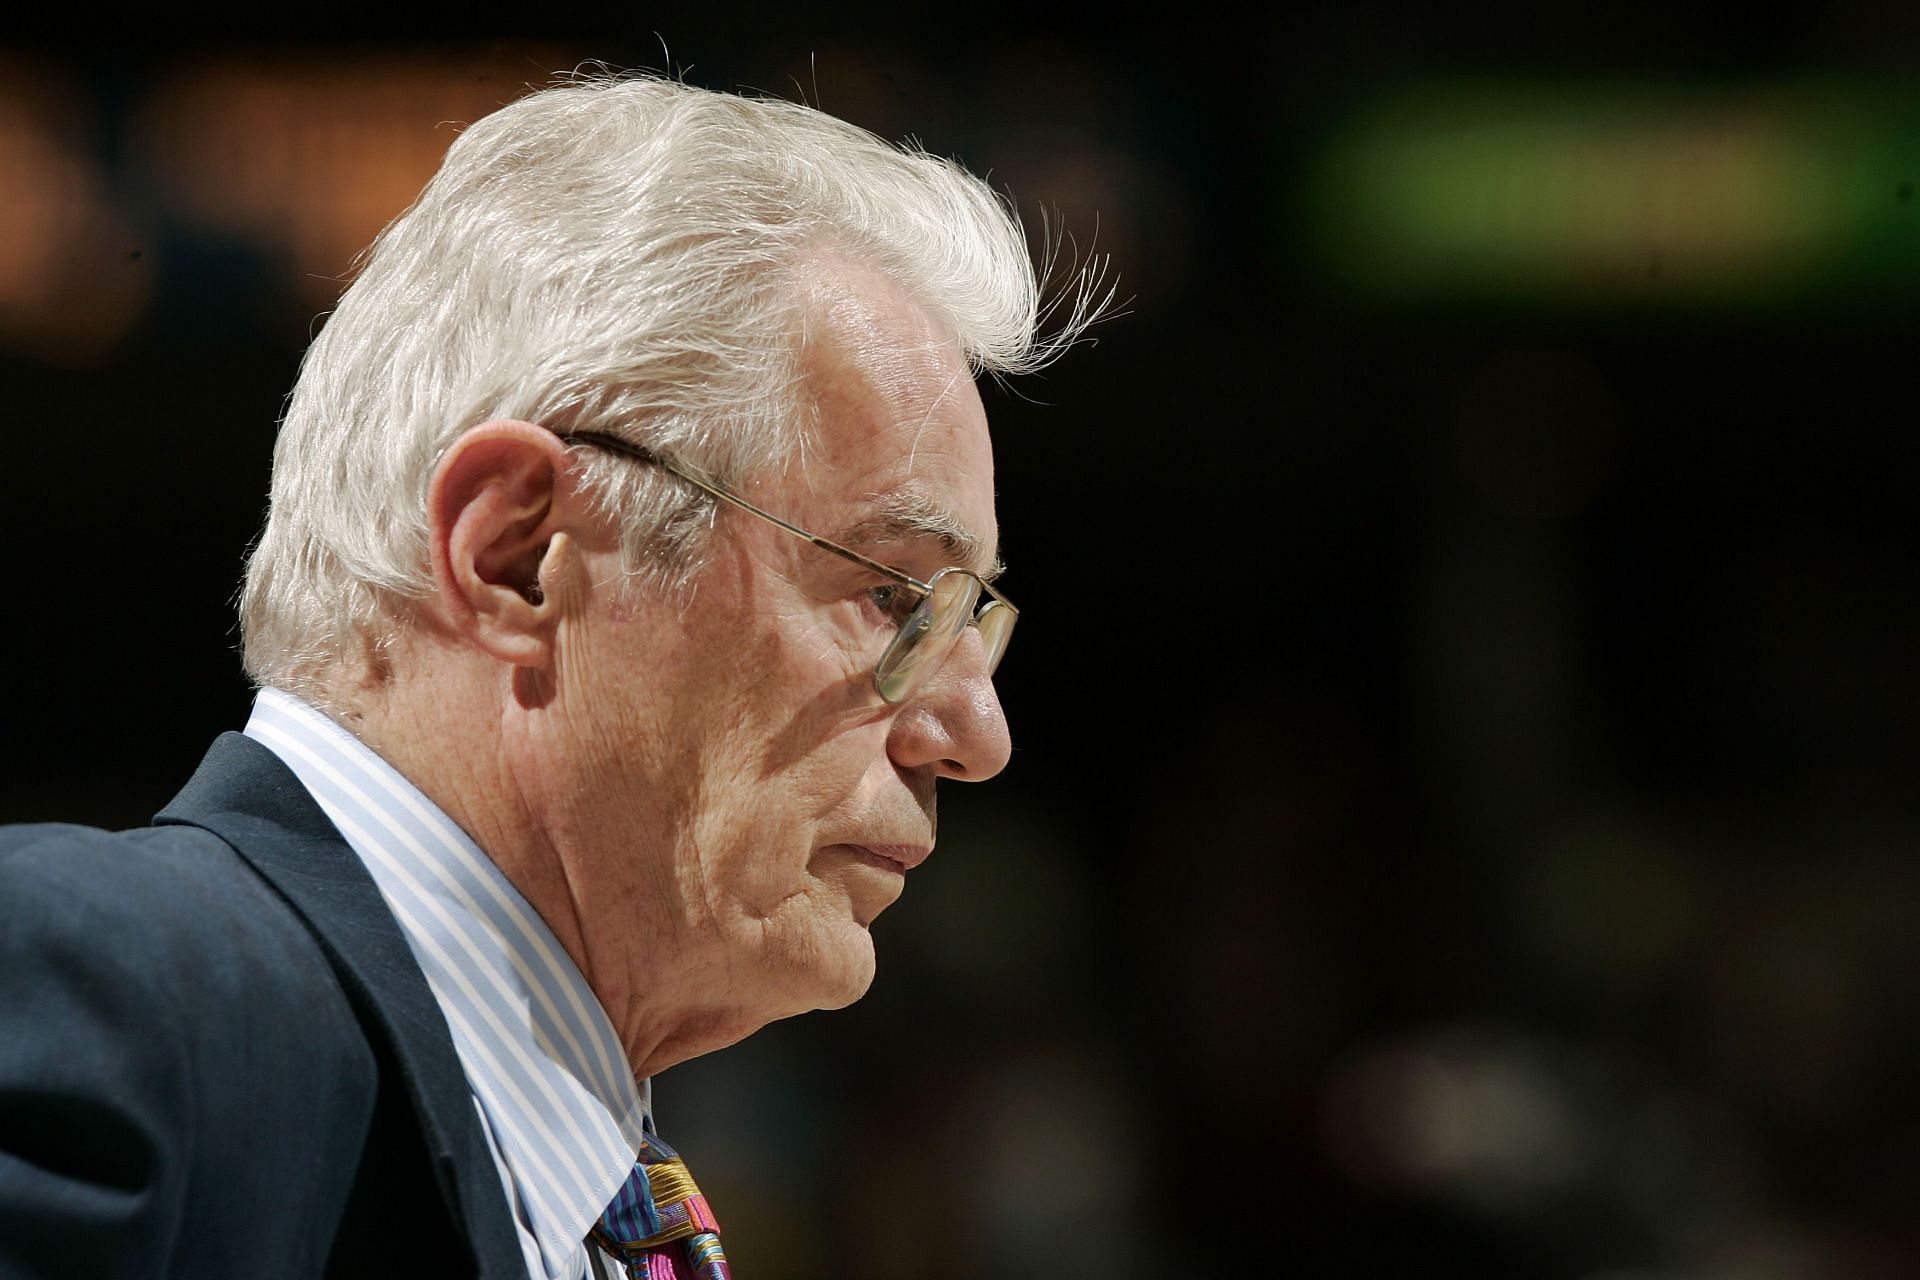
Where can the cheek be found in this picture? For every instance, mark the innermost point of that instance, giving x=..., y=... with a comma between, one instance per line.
x=748, y=737
x=762, y=838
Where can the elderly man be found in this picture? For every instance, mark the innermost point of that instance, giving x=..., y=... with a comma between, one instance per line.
x=625, y=593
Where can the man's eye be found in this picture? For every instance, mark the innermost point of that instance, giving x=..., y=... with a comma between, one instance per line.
x=893, y=601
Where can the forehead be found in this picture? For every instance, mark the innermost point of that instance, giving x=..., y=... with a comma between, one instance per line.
x=900, y=434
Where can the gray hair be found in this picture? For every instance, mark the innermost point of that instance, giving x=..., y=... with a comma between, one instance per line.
x=614, y=253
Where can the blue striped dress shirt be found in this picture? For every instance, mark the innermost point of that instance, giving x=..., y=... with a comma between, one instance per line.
x=557, y=1100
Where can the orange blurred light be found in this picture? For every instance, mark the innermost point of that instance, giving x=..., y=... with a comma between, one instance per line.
x=310, y=157
x=74, y=272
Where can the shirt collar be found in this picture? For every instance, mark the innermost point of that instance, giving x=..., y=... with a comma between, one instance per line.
x=548, y=1073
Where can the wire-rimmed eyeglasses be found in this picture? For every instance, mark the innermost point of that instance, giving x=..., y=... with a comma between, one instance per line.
x=930, y=615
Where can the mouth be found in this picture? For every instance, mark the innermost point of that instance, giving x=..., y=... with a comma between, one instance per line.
x=899, y=858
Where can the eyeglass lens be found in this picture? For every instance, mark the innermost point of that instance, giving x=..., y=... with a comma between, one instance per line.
x=995, y=621
x=929, y=633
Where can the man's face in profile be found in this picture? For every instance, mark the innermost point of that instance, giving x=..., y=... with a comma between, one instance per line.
x=734, y=788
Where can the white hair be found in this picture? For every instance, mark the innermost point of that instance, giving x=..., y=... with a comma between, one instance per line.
x=615, y=253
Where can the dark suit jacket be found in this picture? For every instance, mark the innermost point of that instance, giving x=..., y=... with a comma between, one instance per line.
x=219, y=1058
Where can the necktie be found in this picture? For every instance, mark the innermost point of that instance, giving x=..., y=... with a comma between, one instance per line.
x=659, y=1226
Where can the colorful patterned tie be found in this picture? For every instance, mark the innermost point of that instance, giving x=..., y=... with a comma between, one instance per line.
x=659, y=1226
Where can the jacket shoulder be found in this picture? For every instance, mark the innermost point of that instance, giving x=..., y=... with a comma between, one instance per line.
x=172, y=913
x=177, y=1061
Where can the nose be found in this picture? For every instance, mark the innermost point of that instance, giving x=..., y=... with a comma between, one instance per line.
x=954, y=724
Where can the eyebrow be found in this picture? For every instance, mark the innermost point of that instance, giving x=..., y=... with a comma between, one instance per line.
x=906, y=514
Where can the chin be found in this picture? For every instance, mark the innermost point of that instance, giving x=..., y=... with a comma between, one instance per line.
x=850, y=993
x=785, y=973
x=842, y=974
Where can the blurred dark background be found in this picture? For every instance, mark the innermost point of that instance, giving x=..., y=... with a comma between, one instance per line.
x=1462, y=820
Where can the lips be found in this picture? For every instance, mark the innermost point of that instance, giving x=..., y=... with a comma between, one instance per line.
x=900, y=857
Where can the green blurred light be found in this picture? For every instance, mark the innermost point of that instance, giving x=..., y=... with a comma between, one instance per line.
x=1594, y=194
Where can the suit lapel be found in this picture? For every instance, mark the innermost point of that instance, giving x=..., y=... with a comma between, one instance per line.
x=246, y=796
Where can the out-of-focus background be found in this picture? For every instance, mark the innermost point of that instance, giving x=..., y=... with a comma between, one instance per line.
x=1463, y=819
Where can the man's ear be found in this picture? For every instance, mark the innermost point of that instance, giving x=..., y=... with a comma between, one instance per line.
x=496, y=509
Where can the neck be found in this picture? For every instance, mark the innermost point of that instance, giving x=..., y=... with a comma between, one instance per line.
x=473, y=743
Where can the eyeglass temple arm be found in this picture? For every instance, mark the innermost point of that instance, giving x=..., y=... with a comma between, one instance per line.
x=640, y=453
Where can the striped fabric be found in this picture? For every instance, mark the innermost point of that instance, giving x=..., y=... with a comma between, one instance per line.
x=555, y=1094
